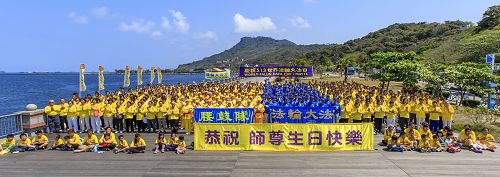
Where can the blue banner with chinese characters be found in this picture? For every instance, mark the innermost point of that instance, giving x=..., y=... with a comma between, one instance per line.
x=273, y=71
x=278, y=114
x=224, y=115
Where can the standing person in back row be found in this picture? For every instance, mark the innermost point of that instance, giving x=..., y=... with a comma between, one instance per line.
x=63, y=114
x=51, y=111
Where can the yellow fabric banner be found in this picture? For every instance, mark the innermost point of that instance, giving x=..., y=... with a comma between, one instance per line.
x=284, y=137
x=100, y=78
x=160, y=76
x=152, y=72
x=126, y=77
x=139, y=75
x=83, y=87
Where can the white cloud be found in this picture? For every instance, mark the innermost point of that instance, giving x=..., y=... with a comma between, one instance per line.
x=247, y=25
x=165, y=24
x=180, y=21
x=80, y=19
x=99, y=12
x=140, y=26
x=207, y=35
x=310, y=1
x=300, y=22
x=156, y=34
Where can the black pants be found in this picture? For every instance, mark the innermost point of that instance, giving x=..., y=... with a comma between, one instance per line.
x=136, y=150
x=174, y=124
x=413, y=118
x=129, y=124
x=403, y=123
x=63, y=120
x=378, y=124
x=344, y=120
x=168, y=122
x=357, y=121
x=119, y=124
x=141, y=127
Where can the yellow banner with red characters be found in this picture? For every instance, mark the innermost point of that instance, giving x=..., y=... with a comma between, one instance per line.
x=284, y=137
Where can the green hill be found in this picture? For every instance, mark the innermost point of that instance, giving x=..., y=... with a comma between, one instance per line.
x=252, y=51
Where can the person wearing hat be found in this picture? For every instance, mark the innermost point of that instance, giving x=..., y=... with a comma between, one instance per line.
x=51, y=111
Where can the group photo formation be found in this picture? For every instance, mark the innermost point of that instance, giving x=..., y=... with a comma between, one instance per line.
x=253, y=88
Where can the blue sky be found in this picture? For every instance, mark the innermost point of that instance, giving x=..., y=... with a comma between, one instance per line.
x=59, y=35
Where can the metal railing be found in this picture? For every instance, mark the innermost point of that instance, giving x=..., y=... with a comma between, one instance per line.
x=11, y=124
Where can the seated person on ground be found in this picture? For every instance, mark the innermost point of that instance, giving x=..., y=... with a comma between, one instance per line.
x=40, y=141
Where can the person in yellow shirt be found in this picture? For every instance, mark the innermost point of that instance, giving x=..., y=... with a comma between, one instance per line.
x=404, y=114
x=58, y=143
x=425, y=131
x=121, y=110
x=405, y=141
x=106, y=143
x=392, y=111
x=51, y=111
x=129, y=117
x=174, y=118
x=424, y=144
x=173, y=141
x=72, y=141
x=24, y=144
x=357, y=113
x=109, y=113
x=40, y=141
x=63, y=114
x=468, y=139
x=181, y=148
x=259, y=113
x=7, y=144
x=72, y=116
x=436, y=144
x=138, y=145
x=160, y=144
x=367, y=111
x=447, y=114
x=379, y=112
x=347, y=111
x=152, y=110
x=486, y=140
x=86, y=108
x=434, y=114
x=96, y=119
x=162, y=116
x=90, y=142
x=140, y=121
x=187, y=121
x=420, y=111
x=388, y=134
x=122, y=145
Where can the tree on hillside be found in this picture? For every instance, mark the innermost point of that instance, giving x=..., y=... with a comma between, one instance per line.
x=410, y=72
x=436, y=79
x=491, y=18
x=470, y=77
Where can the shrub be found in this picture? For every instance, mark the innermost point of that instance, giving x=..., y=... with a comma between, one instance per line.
x=446, y=95
x=471, y=103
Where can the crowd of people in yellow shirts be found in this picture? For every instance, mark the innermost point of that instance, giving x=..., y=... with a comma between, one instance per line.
x=150, y=109
x=409, y=121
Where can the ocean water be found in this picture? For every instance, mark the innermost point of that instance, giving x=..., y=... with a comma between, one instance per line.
x=18, y=90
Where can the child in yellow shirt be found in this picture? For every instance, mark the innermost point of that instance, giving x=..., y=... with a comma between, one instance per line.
x=7, y=144
x=24, y=144
x=424, y=144
x=173, y=141
x=436, y=144
x=58, y=143
x=122, y=145
x=394, y=144
x=90, y=142
x=106, y=143
x=486, y=140
x=40, y=141
x=138, y=145
x=181, y=148
x=160, y=144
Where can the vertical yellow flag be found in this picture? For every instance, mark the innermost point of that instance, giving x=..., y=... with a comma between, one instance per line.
x=126, y=79
x=82, y=78
x=139, y=75
x=152, y=75
x=100, y=77
x=160, y=77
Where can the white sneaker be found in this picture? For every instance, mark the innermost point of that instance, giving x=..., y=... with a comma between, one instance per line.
x=15, y=152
